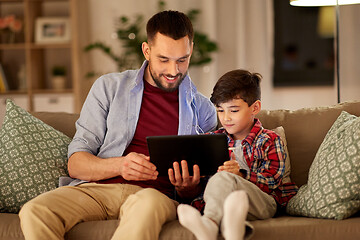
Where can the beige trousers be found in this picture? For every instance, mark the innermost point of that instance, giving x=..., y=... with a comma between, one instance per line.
x=142, y=211
x=220, y=185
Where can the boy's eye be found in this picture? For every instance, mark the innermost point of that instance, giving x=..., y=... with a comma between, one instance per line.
x=234, y=110
x=220, y=110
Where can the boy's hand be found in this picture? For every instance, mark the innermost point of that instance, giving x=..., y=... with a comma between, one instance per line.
x=231, y=166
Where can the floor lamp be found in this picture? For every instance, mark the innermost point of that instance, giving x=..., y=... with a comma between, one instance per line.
x=336, y=3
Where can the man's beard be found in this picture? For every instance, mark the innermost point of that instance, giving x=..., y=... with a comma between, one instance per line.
x=167, y=89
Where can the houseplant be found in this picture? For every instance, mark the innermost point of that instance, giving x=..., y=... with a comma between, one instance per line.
x=9, y=27
x=58, y=77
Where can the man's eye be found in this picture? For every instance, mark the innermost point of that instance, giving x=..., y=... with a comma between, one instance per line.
x=164, y=60
x=181, y=60
x=234, y=110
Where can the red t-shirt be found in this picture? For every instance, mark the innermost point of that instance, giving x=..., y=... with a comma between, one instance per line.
x=159, y=115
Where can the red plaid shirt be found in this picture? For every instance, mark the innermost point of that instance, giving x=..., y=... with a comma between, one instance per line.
x=265, y=155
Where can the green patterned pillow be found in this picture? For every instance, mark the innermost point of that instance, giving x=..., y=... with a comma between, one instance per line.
x=333, y=187
x=33, y=156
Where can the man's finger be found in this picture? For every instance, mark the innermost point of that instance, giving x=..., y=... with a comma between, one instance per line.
x=177, y=173
x=196, y=175
x=185, y=169
x=171, y=176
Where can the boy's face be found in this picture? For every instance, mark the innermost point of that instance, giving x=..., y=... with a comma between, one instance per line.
x=168, y=61
x=237, y=117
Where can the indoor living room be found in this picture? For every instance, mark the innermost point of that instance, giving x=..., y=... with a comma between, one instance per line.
x=307, y=55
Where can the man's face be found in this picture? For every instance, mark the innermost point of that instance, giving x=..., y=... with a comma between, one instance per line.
x=168, y=61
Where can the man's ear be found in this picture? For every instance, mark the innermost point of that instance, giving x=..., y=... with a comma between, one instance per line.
x=256, y=107
x=146, y=50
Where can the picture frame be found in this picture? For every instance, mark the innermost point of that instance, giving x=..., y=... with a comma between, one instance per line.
x=52, y=30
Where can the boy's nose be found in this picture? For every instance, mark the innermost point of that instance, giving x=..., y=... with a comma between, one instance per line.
x=227, y=117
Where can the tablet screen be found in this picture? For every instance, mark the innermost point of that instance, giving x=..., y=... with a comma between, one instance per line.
x=208, y=151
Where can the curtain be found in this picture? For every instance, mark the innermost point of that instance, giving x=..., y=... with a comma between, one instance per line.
x=246, y=33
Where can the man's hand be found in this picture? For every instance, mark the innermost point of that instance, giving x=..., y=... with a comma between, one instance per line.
x=136, y=166
x=185, y=185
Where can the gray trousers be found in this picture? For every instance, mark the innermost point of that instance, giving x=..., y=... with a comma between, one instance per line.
x=261, y=205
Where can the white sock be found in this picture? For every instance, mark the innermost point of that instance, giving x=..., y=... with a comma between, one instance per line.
x=236, y=208
x=202, y=227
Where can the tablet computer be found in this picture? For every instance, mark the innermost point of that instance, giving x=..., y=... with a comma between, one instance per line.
x=208, y=151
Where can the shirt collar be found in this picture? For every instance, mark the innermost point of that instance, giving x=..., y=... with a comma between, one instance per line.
x=141, y=72
x=254, y=132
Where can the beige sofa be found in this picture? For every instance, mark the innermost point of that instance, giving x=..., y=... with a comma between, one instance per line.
x=305, y=129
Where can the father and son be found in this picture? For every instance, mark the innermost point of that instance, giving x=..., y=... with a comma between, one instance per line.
x=113, y=177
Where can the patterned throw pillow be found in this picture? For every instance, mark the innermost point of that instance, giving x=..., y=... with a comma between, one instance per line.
x=333, y=187
x=33, y=156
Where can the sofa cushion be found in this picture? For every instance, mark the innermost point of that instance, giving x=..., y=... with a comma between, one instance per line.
x=281, y=132
x=333, y=186
x=33, y=156
x=61, y=121
x=305, y=130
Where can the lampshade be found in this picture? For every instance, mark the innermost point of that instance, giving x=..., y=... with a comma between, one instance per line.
x=313, y=3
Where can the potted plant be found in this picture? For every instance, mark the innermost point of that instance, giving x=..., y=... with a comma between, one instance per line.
x=58, y=77
x=9, y=27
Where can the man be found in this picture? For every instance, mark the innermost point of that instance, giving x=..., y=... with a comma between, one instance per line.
x=109, y=152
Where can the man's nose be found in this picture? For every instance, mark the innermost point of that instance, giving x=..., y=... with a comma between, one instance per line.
x=173, y=68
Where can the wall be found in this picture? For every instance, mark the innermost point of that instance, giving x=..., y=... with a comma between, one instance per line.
x=349, y=40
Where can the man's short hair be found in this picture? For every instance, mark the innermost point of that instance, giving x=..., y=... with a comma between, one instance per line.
x=237, y=84
x=173, y=24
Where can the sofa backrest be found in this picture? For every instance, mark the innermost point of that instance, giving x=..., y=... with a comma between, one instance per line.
x=305, y=130
x=61, y=121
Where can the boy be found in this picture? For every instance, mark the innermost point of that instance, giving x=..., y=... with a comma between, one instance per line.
x=248, y=186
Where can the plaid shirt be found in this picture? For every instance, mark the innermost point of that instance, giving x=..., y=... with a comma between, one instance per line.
x=265, y=155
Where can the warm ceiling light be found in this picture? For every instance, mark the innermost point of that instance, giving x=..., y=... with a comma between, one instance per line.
x=313, y=3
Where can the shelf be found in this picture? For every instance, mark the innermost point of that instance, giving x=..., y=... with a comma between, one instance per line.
x=7, y=46
x=28, y=64
x=21, y=46
x=11, y=1
x=51, y=91
x=49, y=45
x=14, y=92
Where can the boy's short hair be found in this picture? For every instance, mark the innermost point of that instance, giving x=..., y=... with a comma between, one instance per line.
x=173, y=24
x=237, y=84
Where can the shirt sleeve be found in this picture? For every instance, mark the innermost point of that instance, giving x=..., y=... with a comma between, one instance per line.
x=270, y=165
x=207, y=113
x=91, y=125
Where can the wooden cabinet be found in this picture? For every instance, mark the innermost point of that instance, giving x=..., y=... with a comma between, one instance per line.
x=28, y=62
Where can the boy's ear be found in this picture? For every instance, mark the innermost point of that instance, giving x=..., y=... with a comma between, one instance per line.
x=256, y=107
